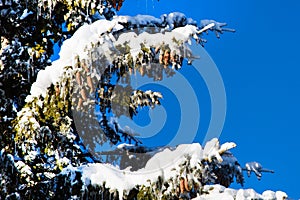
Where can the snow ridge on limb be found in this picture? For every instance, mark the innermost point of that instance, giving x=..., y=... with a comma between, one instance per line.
x=256, y=168
x=165, y=171
x=217, y=28
x=172, y=21
x=213, y=149
x=89, y=34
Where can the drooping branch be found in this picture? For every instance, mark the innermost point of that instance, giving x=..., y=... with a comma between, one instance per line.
x=112, y=69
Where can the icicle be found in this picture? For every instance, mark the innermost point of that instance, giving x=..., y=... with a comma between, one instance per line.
x=39, y=8
x=54, y=4
x=49, y=5
x=87, y=12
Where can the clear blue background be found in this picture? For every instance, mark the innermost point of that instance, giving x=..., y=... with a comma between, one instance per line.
x=260, y=69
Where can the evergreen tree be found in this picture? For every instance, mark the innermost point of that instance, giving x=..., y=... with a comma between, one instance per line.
x=42, y=150
x=29, y=30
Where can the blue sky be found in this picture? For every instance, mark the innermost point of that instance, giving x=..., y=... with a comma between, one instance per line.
x=259, y=65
